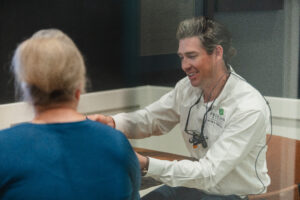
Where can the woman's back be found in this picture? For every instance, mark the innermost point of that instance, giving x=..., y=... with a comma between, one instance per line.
x=75, y=160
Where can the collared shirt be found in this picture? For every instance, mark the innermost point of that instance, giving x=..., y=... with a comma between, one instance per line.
x=235, y=128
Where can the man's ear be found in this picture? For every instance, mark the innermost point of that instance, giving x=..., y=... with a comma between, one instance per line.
x=219, y=52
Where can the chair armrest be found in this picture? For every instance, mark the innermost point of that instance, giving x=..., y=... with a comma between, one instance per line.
x=148, y=181
x=161, y=155
x=288, y=193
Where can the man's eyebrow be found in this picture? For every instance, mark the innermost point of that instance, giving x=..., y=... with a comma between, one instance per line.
x=187, y=53
x=190, y=52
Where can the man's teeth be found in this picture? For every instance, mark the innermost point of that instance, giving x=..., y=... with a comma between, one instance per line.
x=191, y=74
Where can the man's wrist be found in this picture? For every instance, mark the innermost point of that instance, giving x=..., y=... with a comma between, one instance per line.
x=111, y=122
x=144, y=170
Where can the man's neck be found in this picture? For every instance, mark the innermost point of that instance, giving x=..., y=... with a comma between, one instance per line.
x=215, y=88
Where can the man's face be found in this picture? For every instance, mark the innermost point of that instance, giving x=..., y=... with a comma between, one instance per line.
x=195, y=62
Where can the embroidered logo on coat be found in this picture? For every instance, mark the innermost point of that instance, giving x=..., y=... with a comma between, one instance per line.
x=221, y=111
x=216, y=117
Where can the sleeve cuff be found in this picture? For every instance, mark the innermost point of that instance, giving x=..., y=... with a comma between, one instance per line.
x=118, y=123
x=156, y=167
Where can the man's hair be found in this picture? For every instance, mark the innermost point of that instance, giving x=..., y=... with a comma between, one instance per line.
x=210, y=33
x=48, y=68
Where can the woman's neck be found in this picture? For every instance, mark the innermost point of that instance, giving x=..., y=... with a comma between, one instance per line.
x=57, y=114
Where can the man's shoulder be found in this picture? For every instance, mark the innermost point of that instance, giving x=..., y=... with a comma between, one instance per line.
x=185, y=92
x=184, y=85
x=246, y=95
x=184, y=82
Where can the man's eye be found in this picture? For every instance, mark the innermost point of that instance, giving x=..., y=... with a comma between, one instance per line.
x=192, y=56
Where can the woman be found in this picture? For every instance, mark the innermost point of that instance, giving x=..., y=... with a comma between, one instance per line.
x=61, y=154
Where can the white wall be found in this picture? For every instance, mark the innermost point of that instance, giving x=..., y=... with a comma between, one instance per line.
x=285, y=114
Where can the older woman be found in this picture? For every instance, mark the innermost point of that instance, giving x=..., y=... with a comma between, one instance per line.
x=60, y=154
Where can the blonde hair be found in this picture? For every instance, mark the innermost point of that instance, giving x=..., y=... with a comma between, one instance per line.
x=49, y=68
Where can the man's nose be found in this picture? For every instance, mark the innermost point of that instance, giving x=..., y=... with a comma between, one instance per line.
x=185, y=64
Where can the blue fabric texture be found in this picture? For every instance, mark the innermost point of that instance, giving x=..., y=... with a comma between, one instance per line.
x=77, y=160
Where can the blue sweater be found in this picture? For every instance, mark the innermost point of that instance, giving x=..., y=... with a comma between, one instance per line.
x=77, y=160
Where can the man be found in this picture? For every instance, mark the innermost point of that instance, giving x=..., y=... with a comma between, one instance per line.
x=223, y=120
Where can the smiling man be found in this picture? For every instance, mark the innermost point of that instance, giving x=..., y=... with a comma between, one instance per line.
x=223, y=120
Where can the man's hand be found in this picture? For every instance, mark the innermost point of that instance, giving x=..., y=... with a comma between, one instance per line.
x=108, y=120
x=143, y=160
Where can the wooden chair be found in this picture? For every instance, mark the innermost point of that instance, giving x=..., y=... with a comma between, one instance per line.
x=283, y=160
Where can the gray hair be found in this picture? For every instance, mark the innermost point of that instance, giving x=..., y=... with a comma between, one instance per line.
x=210, y=34
x=48, y=68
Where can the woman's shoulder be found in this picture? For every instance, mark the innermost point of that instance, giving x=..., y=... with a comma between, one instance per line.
x=107, y=132
x=15, y=128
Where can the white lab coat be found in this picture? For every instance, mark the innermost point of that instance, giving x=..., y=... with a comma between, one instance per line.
x=236, y=128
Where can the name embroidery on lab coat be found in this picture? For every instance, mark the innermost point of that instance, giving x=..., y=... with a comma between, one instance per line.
x=216, y=117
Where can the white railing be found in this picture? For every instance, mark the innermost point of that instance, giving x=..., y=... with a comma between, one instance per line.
x=285, y=114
